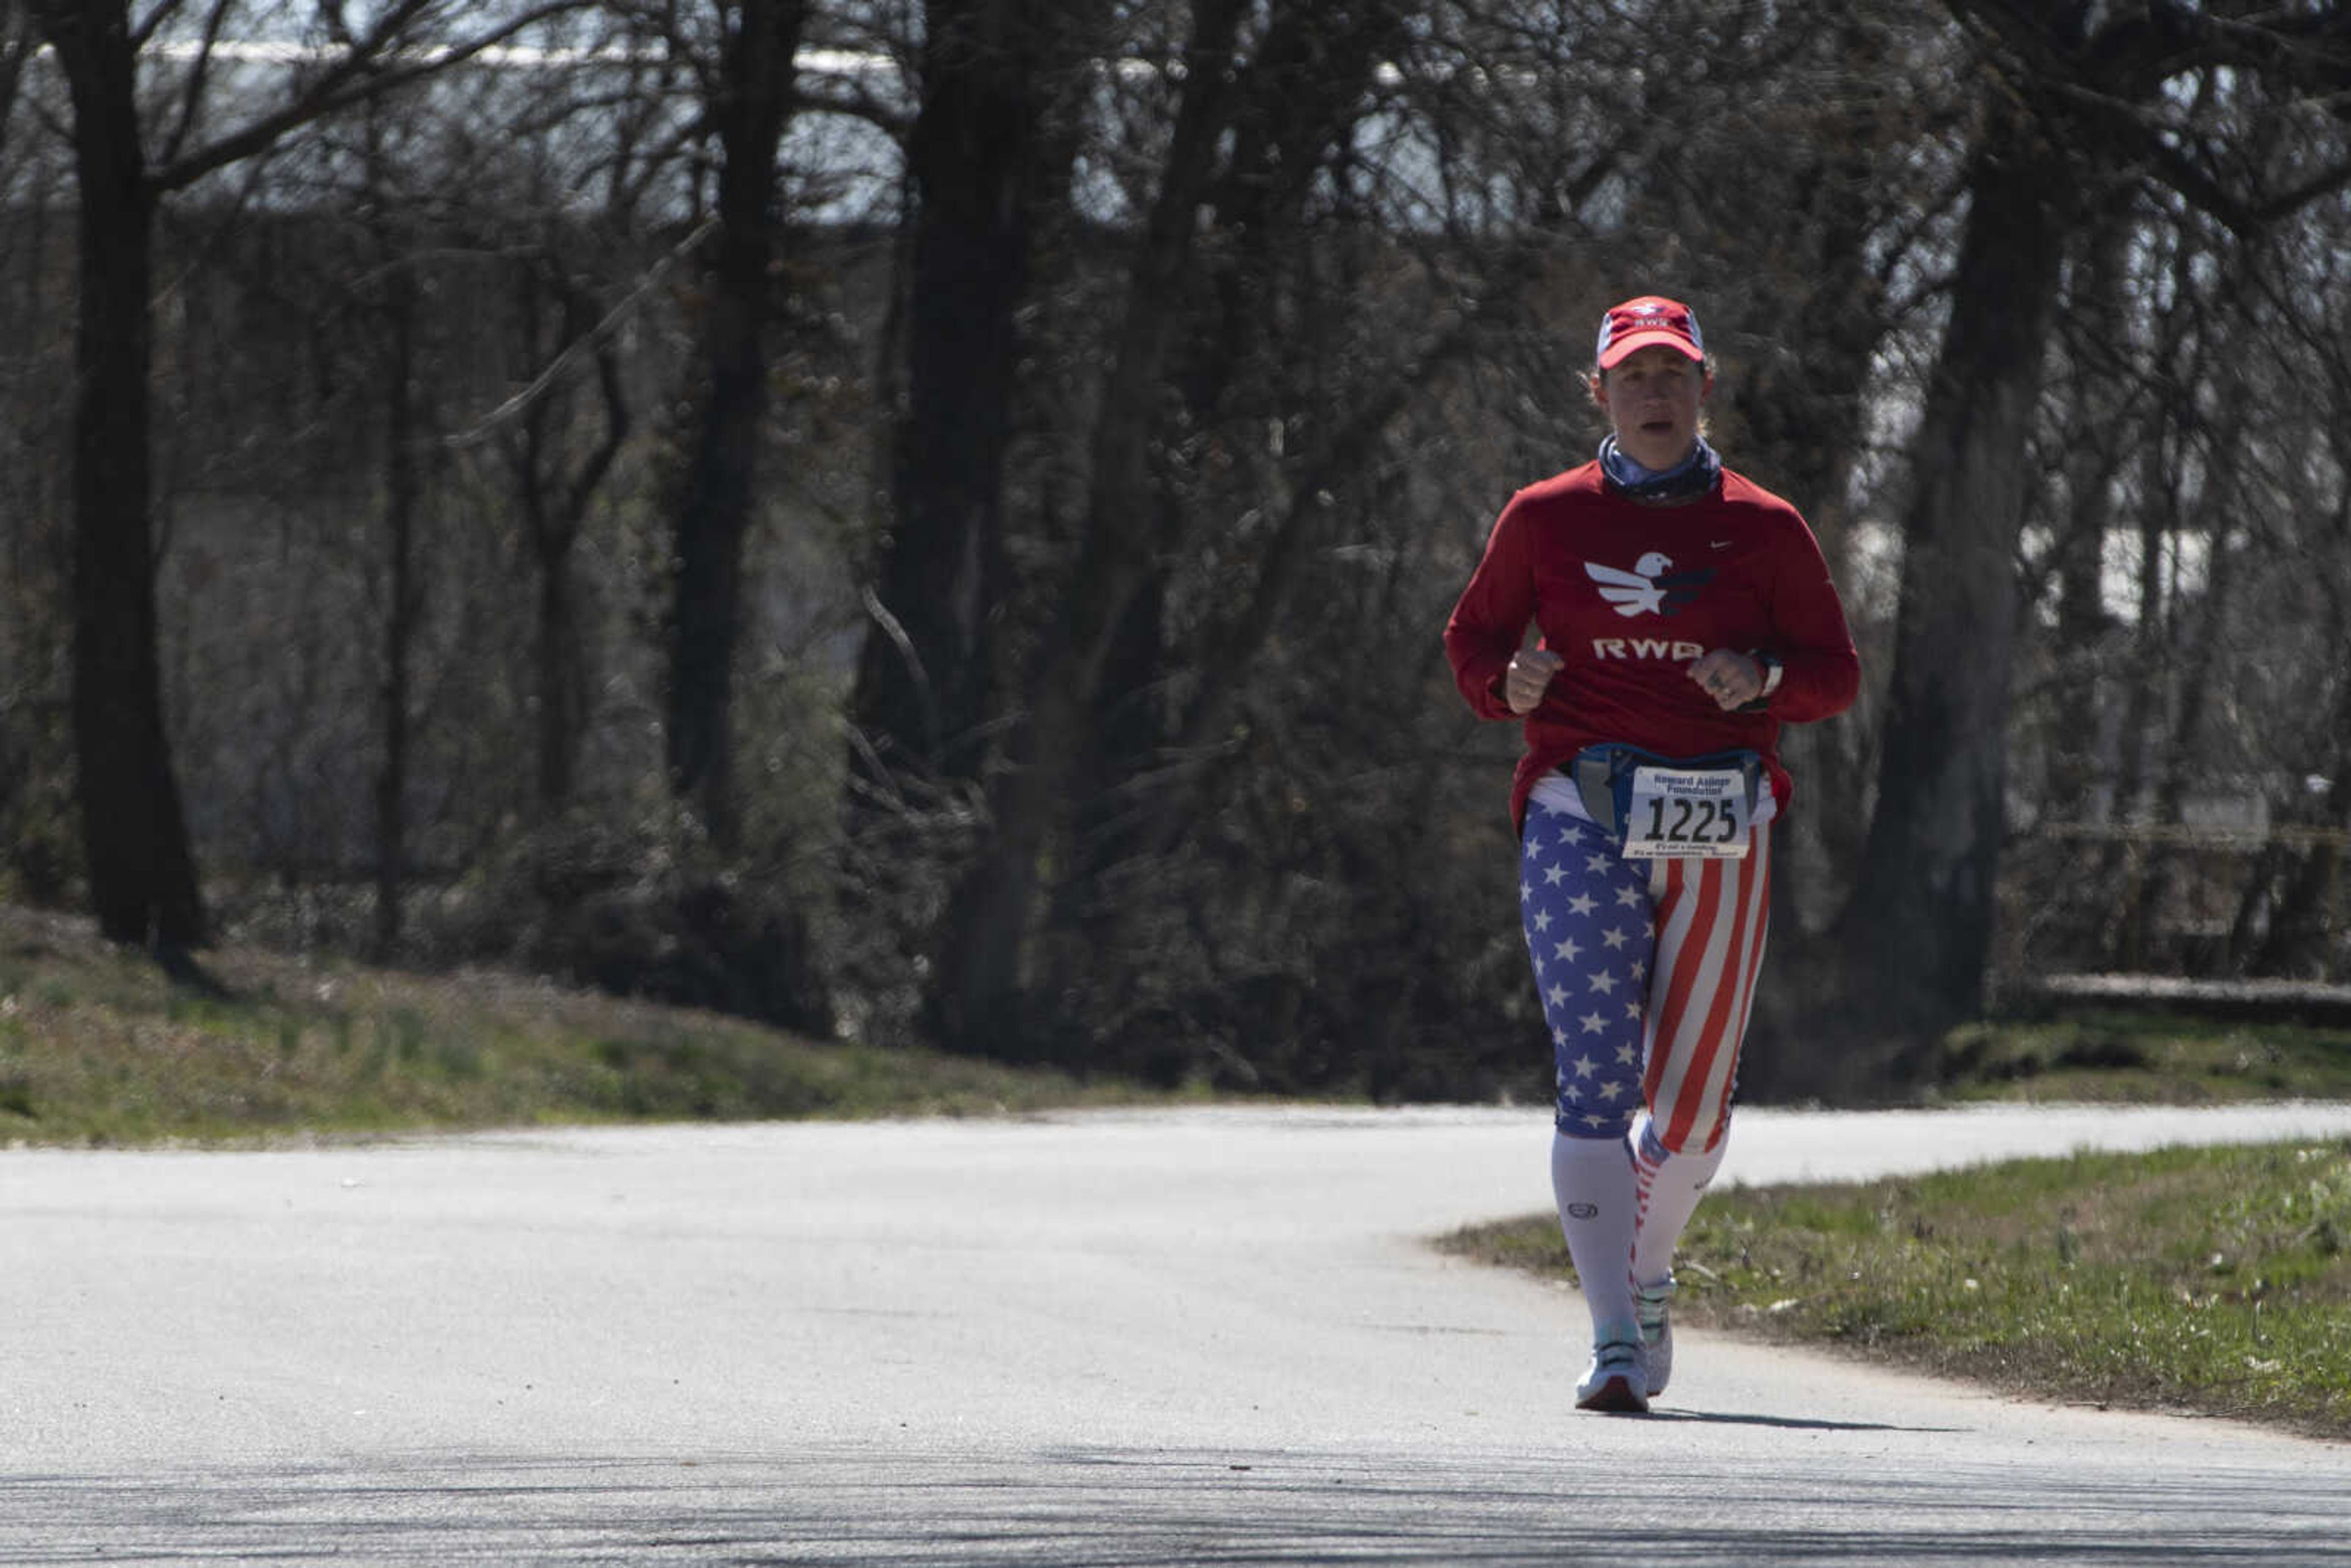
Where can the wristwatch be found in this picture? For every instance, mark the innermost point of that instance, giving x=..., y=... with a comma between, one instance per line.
x=1770, y=664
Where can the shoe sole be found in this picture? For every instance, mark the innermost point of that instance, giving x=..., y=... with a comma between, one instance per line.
x=1616, y=1395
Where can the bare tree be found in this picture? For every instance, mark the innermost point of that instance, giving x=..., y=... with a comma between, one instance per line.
x=2074, y=98
x=404, y=606
x=142, y=876
x=1921, y=913
x=986, y=169
x=556, y=488
x=750, y=100
x=988, y=926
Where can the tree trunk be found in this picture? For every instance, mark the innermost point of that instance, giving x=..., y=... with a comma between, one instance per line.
x=2067, y=912
x=403, y=609
x=981, y=160
x=2123, y=866
x=1917, y=931
x=978, y=979
x=562, y=699
x=2103, y=426
x=142, y=876
x=555, y=507
x=754, y=105
x=2305, y=922
x=1804, y=419
x=1254, y=299
x=2196, y=644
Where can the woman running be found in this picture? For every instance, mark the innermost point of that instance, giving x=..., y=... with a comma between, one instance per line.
x=1684, y=615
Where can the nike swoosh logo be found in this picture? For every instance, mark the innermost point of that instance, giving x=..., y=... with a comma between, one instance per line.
x=1721, y=544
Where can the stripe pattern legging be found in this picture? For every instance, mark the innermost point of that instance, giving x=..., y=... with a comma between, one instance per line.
x=1646, y=970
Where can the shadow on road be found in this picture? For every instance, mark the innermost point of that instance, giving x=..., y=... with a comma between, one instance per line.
x=1791, y=1423
x=1109, y=1508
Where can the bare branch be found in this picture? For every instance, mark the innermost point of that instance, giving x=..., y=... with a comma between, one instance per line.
x=490, y=425
x=16, y=45
x=192, y=91
x=376, y=65
x=855, y=103
x=2294, y=198
x=144, y=30
x=2109, y=76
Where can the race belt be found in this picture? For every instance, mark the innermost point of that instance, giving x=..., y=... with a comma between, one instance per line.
x=1670, y=808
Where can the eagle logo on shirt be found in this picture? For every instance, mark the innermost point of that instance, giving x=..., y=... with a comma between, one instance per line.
x=1652, y=588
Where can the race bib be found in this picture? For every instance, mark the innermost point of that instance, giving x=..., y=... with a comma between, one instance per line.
x=1687, y=813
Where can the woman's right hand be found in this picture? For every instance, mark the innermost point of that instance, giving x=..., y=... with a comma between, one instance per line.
x=1529, y=676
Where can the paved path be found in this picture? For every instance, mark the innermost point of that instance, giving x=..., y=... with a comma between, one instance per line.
x=1212, y=1336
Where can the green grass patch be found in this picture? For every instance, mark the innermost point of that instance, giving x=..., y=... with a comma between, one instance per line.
x=98, y=1047
x=2126, y=1057
x=2215, y=1282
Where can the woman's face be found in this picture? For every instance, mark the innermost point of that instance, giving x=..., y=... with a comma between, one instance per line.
x=1652, y=398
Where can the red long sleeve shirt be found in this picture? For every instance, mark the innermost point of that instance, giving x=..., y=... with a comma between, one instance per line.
x=1628, y=595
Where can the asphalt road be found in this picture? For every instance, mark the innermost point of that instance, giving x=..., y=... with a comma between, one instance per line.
x=1205, y=1337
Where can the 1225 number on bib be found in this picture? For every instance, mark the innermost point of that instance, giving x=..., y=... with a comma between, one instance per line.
x=1687, y=813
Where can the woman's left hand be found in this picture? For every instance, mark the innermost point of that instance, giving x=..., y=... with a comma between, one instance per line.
x=1731, y=678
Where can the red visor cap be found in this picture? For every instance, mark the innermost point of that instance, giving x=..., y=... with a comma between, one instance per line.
x=1640, y=323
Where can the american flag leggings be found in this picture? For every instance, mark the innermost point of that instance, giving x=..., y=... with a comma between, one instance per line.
x=1646, y=970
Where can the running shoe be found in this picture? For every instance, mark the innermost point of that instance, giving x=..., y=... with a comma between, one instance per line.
x=1649, y=1302
x=1617, y=1380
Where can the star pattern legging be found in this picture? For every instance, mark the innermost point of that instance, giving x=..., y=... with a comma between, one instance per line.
x=1646, y=970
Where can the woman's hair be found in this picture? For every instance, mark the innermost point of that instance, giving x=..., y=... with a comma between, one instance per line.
x=1593, y=378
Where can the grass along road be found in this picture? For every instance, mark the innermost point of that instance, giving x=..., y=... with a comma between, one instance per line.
x=98, y=1047
x=2213, y=1282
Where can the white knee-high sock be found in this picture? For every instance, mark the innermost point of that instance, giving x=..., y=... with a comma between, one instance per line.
x=1593, y=1180
x=1668, y=1186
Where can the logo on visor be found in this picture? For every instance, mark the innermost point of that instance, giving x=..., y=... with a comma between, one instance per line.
x=1650, y=320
